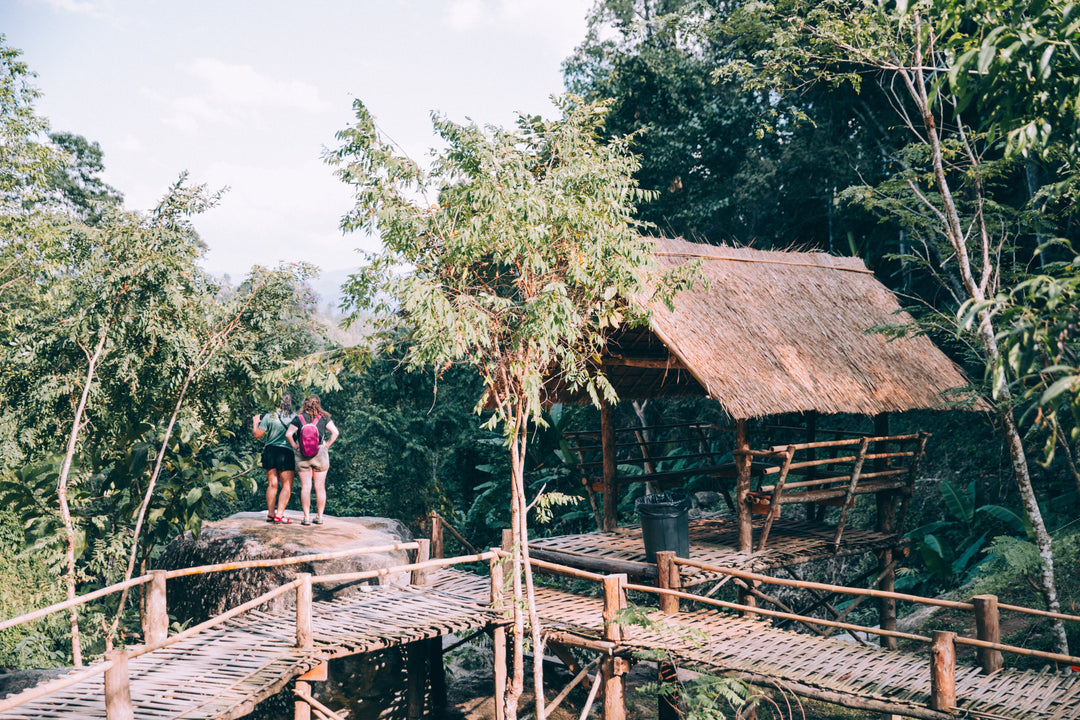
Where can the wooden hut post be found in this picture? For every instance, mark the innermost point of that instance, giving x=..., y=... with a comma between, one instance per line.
x=886, y=525
x=811, y=455
x=423, y=552
x=414, y=680
x=613, y=668
x=607, y=447
x=156, y=620
x=742, y=487
x=498, y=636
x=943, y=671
x=117, y=687
x=438, y=548
x=437, y=676
x=988, y=629
x=304, y=639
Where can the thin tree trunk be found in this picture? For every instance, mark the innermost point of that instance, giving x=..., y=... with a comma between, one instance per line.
x=61, y=492
x=976, y=290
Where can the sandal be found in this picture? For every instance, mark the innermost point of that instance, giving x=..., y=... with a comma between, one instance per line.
x=270, y=518
x=318, y=520
x=281, y=519
x=305, y=521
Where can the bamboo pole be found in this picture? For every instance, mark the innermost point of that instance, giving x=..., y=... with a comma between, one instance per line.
x=988, y=629
x=436, y=535
x=458, y=536
x=774, y=503
x=742, y=487
x=846, y=508
x=614, y=707
x=304, y=628
x=952, y=604
x=943, y=671
x=607, y=441
x=156, y=620
x=74, y=602
x=279, y=562
x=419, y=573
x=498, y=636
x=306, y=697
x=668, y=579
x=118, y=687
x=584, y=673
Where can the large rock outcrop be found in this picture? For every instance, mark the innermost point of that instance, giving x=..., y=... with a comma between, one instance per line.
x=247, y=536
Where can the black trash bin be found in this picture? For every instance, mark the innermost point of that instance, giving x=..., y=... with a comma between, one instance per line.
x=665, y=522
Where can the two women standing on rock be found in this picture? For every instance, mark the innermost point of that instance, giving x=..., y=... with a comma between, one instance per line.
x=277, y=457
x=311, y=433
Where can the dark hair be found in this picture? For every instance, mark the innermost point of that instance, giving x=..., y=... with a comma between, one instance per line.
x=313, y=408
x=285, y=406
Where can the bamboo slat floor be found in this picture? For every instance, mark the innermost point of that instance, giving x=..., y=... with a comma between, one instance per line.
x=729, y=644
x=224, y=672
x=714, y=539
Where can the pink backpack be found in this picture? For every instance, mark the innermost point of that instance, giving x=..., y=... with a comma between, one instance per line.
x=309, y=438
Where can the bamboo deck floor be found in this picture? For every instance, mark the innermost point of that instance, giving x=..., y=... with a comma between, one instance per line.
x=729, y=644
x=224, y=672
x=714, y=539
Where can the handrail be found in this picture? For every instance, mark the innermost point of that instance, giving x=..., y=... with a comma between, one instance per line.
x=806, y=584
x=137, y=651
x=868, y=592
x=294, y=560
x=201, y=569
x=774, y=613
x=57, y=607
x=426, y=565
x=1054, y=657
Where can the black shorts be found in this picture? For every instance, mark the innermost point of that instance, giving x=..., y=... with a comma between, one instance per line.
x=278, y=458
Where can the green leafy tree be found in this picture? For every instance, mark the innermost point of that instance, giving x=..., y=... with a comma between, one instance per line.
x=948, y=167
x=522, y=257
x=80, y=190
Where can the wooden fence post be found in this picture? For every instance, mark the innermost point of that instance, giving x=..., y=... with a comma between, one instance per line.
x=613, y=669
x=414, y=680
x=667, y=578
x=508, y=540
x=437, y=543
x=419, y=577
x=304, y=639
x=943, y=671
x=498, y=636
x=117, y=687
x=156, y=622
x=988, y=629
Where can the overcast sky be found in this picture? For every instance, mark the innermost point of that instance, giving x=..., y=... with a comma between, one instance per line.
x=246, y=94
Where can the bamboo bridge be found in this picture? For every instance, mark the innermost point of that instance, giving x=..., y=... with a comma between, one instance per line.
x=224, y=667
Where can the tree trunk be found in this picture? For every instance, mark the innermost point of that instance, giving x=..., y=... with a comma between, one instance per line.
x=61, y=493
x=976, y=291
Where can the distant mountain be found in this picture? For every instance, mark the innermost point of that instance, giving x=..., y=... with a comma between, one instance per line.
x=328, y=286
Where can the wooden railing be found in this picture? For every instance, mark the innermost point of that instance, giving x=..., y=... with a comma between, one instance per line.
x=114, y=665
x=942, y=644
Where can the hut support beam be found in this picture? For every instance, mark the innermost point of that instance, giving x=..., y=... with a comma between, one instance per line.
x=742, y=487
x=886, y=524
x=607, y=444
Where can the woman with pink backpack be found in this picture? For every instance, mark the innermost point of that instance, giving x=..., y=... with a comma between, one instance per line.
x=311, y=433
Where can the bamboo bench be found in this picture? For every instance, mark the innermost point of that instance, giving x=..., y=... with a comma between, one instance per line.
x=668, y=456
x=838, y=478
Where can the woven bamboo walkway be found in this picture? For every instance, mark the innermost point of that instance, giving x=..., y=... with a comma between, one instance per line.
x=732, y=645
x=224, y=672
x=714, y=539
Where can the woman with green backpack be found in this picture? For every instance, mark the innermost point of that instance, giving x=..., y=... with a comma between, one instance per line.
x=278, y=459
x=311, y=433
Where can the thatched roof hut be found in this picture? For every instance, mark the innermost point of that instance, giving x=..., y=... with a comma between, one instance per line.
x=780, y=332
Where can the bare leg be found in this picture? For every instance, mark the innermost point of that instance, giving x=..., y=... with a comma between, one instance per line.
x=320, y=492
x=271, y=490
x=286, y=492
x=305, y=492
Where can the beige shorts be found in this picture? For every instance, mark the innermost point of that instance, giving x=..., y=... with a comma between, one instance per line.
x=319, y=463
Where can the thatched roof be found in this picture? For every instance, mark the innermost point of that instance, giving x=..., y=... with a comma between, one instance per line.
x=780, y=332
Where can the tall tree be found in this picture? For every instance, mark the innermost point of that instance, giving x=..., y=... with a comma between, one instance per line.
x=522, y=257
x=944, y=187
